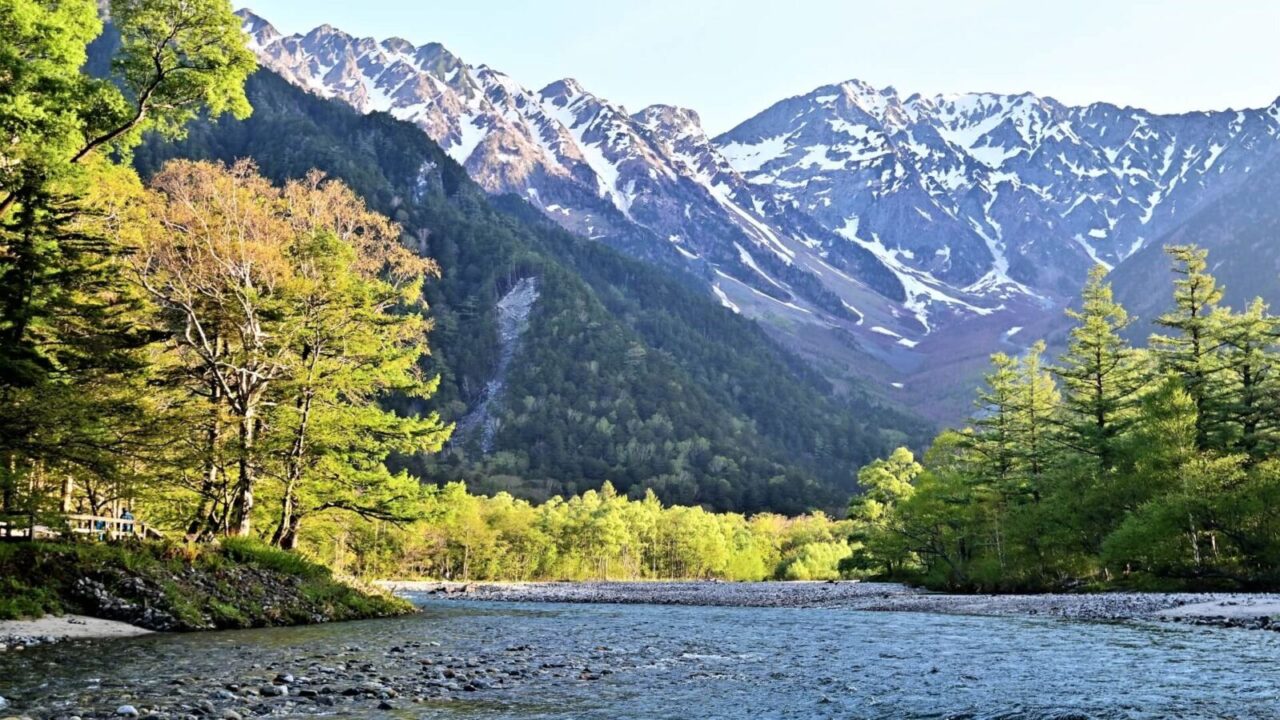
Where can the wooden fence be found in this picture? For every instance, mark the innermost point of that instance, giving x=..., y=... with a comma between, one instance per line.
x=92, y=526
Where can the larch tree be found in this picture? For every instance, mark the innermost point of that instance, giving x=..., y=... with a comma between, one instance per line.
x=1101, y=376
x=1191, y=351
x=1252, y=404
x=1035, y=407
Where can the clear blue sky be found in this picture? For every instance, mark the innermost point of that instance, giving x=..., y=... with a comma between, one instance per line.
x=729, y=59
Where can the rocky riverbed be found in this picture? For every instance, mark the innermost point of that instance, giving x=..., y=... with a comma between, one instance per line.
x=466, y=658
x=1221, y=609
x=343, y=680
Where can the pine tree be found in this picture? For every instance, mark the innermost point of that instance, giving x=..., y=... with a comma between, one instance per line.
x=1101, y=376
x=1192, y=352
x=1252, y=404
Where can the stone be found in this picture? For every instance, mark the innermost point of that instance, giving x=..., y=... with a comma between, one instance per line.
x=274, y=690
x=127, y=711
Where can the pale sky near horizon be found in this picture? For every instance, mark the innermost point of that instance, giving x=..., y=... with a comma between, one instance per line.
x=729, y=59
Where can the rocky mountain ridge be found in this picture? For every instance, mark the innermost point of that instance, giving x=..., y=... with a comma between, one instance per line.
x=897, y=238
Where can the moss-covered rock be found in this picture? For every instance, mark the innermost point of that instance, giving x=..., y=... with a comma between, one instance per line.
x=167, y=586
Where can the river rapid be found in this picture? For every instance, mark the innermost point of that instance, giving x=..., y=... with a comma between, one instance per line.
x=467, y=659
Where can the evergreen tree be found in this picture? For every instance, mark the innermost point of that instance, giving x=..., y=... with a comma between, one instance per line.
x=1192, y=352
x=1101, y=377
x=995, y=427
x=70, y=359
x=1035, y=407
x=1252, y=403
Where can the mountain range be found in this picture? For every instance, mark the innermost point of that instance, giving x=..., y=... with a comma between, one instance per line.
x=563, y=362
x=886, y=237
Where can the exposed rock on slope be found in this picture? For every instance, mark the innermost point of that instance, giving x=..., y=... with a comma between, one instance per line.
x=513, y=320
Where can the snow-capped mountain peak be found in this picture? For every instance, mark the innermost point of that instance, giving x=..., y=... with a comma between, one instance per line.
x=849, y=211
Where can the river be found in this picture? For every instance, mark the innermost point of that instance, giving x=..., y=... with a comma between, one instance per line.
x=465, y=659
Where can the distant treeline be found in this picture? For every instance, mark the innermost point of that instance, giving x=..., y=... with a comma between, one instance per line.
x=595, y=535
x=1152, y=466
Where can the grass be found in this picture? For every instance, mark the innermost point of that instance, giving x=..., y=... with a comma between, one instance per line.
x=255, y=552
x=237, y=583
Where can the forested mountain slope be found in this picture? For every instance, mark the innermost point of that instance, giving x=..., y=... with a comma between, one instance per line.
x=625, y=371
x=890, y=238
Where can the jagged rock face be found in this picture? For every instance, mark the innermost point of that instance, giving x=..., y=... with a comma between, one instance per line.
x=857, y=224
x=979, y=188
x=594, y=168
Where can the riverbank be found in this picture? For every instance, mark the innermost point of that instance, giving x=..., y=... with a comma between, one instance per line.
x=22, y=634
x=1221, y=609
x=161, y=586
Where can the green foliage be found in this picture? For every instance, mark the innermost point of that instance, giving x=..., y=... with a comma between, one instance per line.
x=1141, y=474
x=595, y=535
x=74, y=401
x=1192, y=352
x=1101, y=376
x=816, y=561
x=877, y=540
x=626, y=372
x=289, y=314
x=176, y=58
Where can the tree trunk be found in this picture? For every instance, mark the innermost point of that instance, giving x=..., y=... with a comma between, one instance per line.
x=289, y=541
x=243, y=512
x=68, y=487
x=201, y=520
x=286, y=535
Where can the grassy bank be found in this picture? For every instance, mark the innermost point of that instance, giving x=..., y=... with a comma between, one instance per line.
x=168, y=586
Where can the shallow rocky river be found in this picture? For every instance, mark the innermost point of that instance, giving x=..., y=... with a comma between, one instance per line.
x=461, y=658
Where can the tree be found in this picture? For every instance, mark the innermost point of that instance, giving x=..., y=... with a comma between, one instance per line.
x=1192, y=353
x=995, y=425
x=1035, y=405
x=357, y=337
x=1101, y=376
x=1252, y=402
x=70, y=343
x=293, y=311
x=175, y=59
x=877, y=540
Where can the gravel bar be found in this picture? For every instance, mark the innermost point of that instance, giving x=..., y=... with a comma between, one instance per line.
x=1220, y=609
